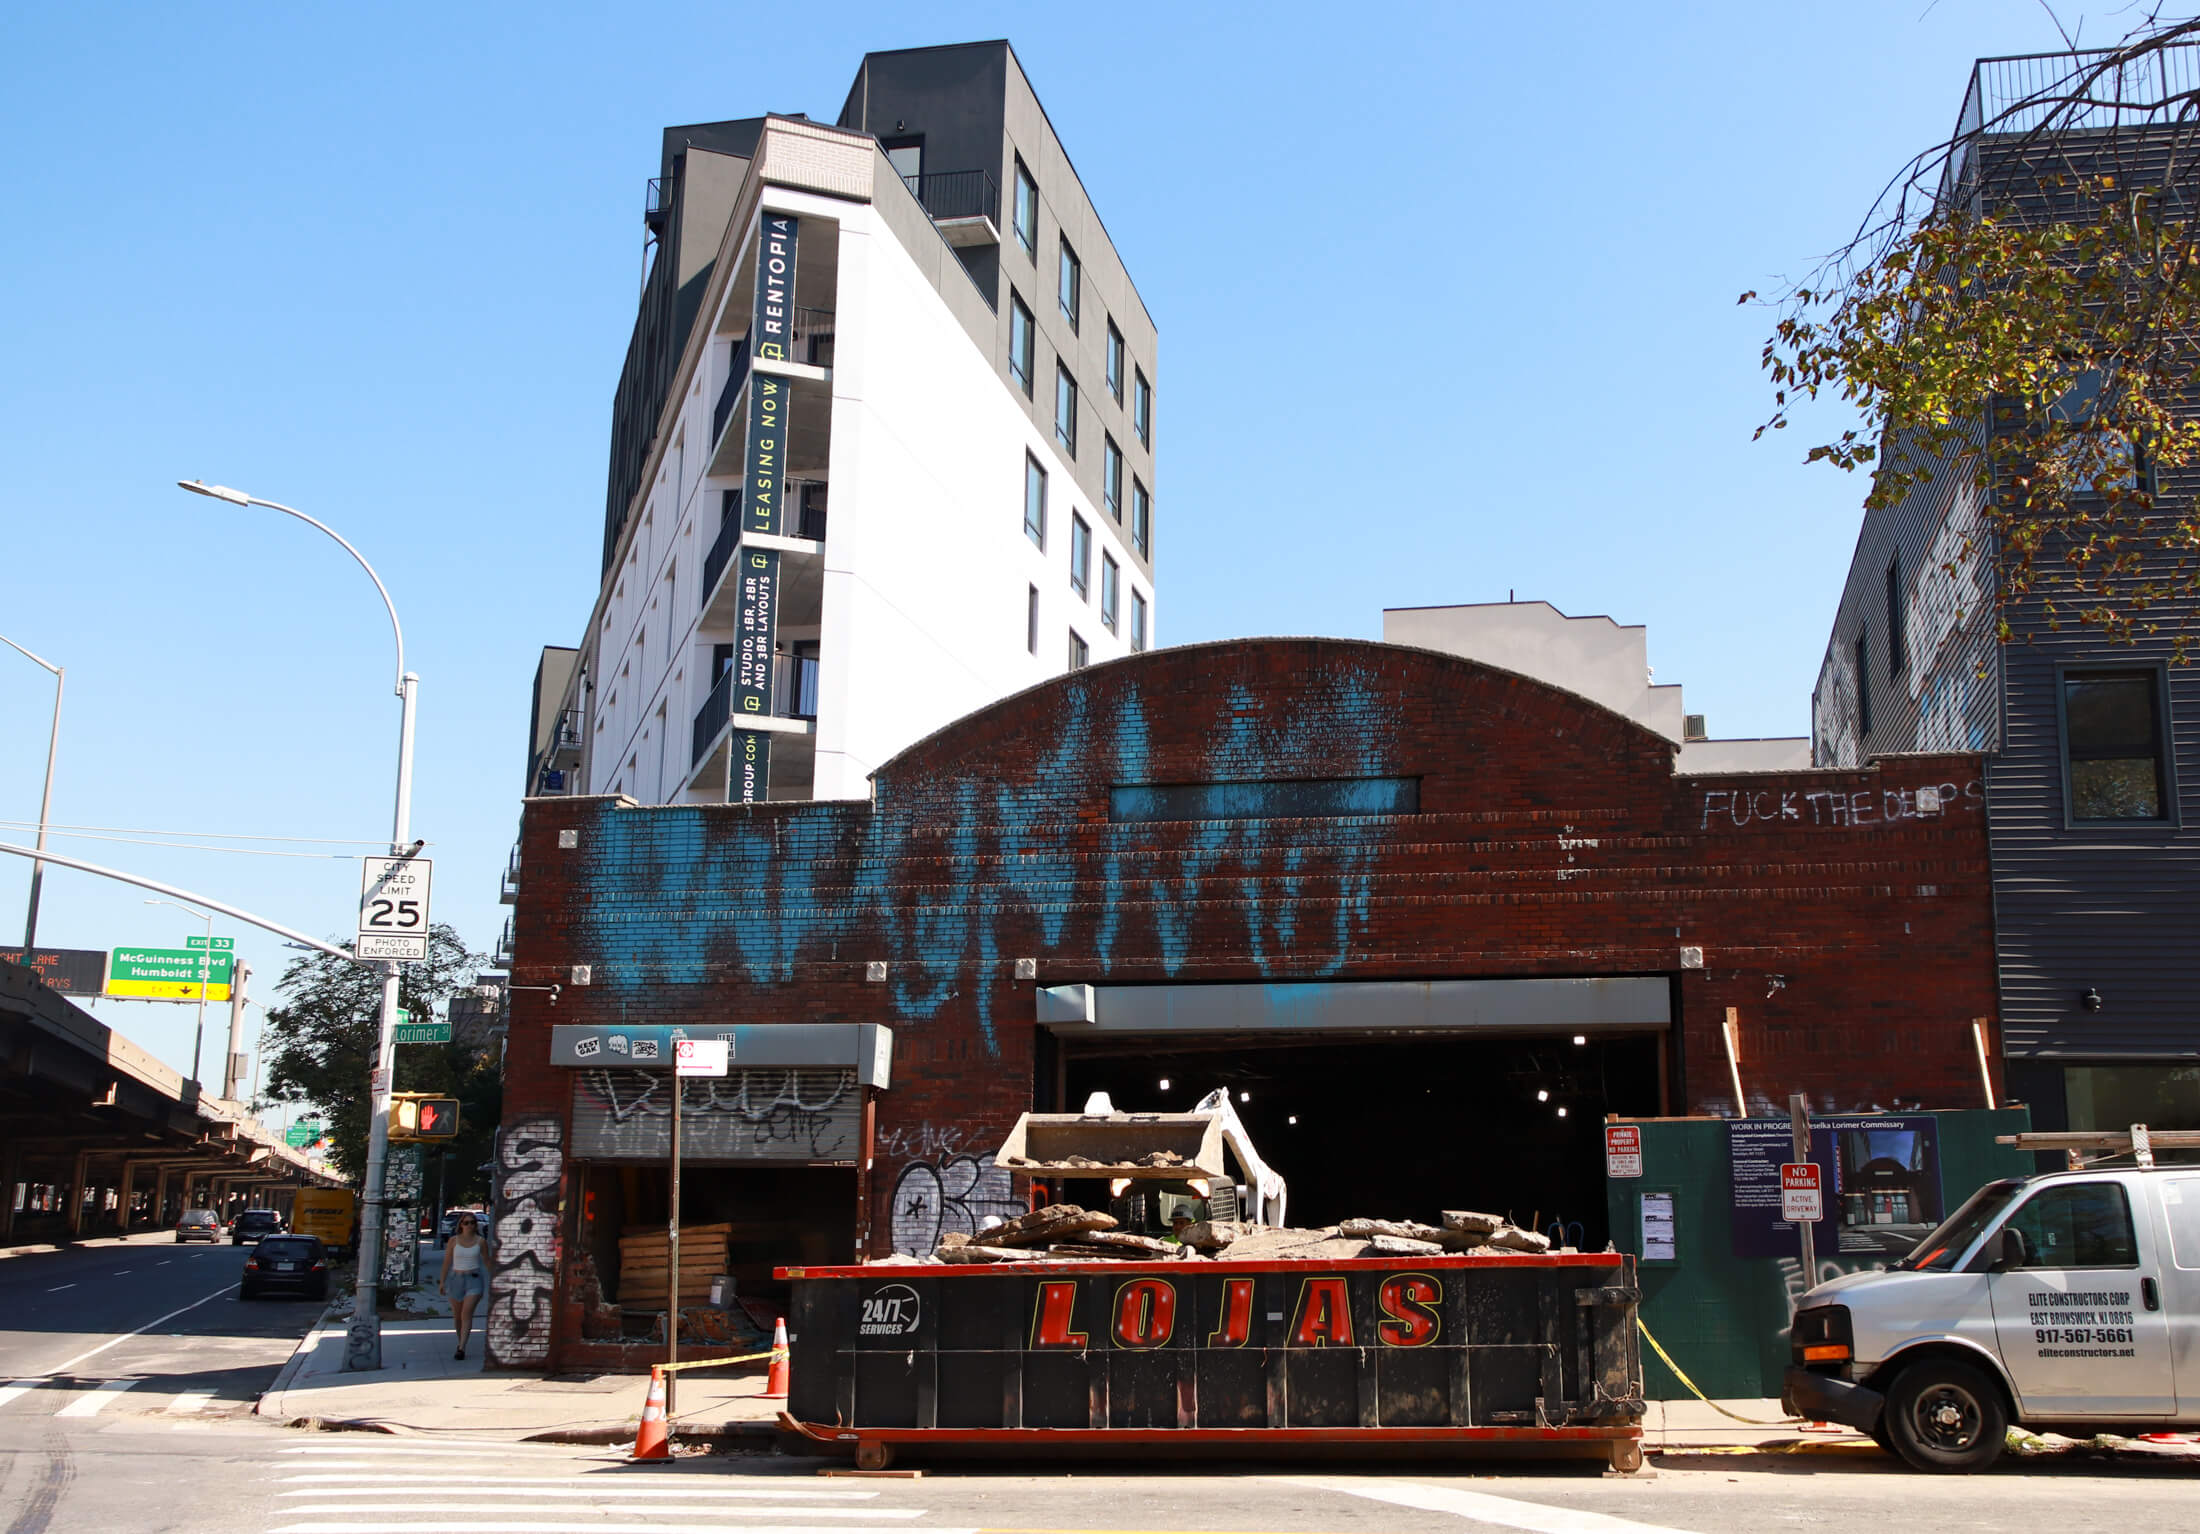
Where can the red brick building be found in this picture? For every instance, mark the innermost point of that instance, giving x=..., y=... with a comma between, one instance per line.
x=1427, y=921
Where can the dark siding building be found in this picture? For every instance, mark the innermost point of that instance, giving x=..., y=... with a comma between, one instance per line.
x=2089, y=744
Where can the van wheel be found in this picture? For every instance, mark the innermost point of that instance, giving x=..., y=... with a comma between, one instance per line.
x=1947, y=1416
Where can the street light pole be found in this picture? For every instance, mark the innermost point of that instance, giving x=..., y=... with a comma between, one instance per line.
x=206, y=964
x=45, y=803
x=363, y=1344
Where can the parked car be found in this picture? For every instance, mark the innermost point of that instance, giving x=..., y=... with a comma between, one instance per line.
x=199, y=1225
x=286, y=1265
x=330, y=1213
x=2057, y=1302
x=254, y=1225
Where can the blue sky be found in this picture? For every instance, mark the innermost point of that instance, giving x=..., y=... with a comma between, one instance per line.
x=1447, y=309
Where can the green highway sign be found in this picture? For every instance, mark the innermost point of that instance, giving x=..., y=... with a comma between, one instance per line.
x=167, y=974
x=221, y=944
x=302, y=1133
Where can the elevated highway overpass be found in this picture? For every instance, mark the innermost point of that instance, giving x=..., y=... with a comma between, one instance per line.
x=98, y=1137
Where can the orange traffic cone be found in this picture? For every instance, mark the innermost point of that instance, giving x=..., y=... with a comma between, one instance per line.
x=651, y=1439
x=775, y=1382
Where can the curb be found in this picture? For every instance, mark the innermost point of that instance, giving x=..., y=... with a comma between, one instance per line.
x=289, y=1373
x=740, y=1436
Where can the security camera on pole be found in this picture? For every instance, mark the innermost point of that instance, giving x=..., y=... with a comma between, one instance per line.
x=405, y=940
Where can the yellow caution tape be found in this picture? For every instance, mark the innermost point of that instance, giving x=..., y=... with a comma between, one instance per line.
x=1699, y=1395
x=717, y=1363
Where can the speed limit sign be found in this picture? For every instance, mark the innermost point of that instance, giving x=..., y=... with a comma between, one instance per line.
x=393, y=908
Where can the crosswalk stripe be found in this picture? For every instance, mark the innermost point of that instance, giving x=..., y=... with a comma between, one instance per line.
x=615, y=1483
x=648, y=1511
x=93, y=1404
x=14, y=1388
x=189, y=1402
x=1480, y=1507
x=476, y=1526
x=464, y=1448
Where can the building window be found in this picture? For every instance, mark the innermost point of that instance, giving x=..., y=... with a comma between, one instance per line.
x=1142, y=407
x=2113, y=765
x=1080, y=555
x=1027, y=211
x=1111, y=477
x=1863, y=658
x=1073, y=275
x=1115, y=362
x=1141, y=520
x=1080, y=653
x=1031, y=621
x=1065, y=410
x=1035, y=501
x=1138, y=620
x=1111, y=582
x=1019, y=341
x=1898, y=630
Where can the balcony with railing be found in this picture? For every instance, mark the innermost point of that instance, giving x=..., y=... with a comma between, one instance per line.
x=790, y=729
x=798, y=534
x=509, y=895
x=807, y=364
x=965, y=205
x=502, y=958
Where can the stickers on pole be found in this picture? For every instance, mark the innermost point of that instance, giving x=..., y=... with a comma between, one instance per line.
x=1799, y=1198
x=1623, y=1150
x=393, y=908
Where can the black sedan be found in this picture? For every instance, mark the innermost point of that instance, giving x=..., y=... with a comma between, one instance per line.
x=286, y=1265
x=254, y=1225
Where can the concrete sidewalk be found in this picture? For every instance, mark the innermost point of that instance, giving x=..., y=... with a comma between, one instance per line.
x=422, y=1389
x=1677, y=1426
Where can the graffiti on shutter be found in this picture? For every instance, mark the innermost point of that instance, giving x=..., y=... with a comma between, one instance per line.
x=803, y=1115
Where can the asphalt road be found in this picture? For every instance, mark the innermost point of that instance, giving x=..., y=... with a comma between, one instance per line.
x=243, y=1477
x=127, y=1376
x=123, y=1475
x=145, y=1327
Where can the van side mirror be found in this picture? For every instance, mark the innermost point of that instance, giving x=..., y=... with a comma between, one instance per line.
x=2014, y=1253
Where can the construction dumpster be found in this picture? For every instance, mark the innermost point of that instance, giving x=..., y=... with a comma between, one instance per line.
x=1492, y=1351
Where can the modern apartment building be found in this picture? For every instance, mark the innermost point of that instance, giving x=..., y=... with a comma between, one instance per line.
x=2090, y=748
x=882, y=450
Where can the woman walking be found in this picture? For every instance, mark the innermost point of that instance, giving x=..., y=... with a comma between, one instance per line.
x=465, y=1277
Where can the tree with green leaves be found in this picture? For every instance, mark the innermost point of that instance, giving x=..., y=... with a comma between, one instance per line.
x=321, y=1047
x=2017, y=320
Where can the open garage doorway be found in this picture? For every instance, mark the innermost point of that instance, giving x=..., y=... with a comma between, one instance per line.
x=1403, y=1128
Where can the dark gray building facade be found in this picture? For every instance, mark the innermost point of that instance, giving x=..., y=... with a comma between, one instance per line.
x=2092, y=782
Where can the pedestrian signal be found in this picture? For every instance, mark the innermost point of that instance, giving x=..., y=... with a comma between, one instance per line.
x=423, y=1118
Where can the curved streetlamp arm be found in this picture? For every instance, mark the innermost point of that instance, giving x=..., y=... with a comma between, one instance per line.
x=36, y=660
x=239, y=498
x=168, y=889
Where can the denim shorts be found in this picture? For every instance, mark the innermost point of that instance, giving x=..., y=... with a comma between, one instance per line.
x=464, y=1284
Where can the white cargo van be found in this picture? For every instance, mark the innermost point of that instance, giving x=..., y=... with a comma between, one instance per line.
x=2068, y=1301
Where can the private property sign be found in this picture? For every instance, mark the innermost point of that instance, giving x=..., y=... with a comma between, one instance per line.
x=1799, y=1197
x=1622, y=1150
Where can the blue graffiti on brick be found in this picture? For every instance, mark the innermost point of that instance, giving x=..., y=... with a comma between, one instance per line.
x=938, y=875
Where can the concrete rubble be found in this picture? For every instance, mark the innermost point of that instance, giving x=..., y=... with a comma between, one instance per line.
x=1068, y=1232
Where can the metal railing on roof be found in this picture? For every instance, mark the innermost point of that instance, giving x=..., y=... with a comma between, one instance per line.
x=948, y=194
x=2021, y=92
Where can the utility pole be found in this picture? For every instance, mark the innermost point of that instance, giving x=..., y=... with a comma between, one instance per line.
x=1799, y=1143
x=239, y=973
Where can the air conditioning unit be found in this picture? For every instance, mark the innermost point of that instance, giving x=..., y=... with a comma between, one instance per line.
x=1692, y=727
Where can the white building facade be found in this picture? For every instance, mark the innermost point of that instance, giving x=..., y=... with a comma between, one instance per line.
x=902, y=461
